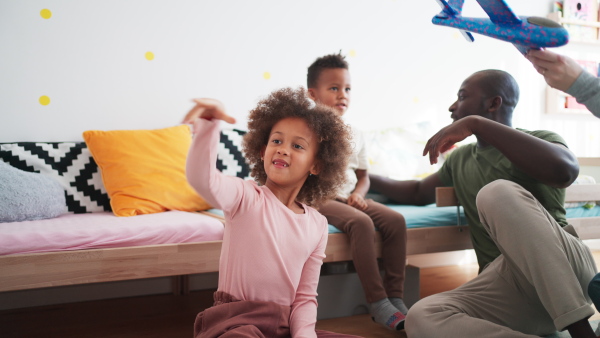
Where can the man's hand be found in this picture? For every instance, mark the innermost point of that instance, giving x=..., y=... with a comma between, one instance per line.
x=208, y=109
x=357, y=201
x=444, y=139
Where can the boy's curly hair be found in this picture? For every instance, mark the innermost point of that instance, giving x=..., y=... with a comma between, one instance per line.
x=324, y=62
x=334, y=146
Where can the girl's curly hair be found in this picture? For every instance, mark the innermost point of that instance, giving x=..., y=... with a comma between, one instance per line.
x=334, y=146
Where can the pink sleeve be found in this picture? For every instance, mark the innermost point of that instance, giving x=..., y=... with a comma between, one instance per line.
x=221, y=191
x=304, y=309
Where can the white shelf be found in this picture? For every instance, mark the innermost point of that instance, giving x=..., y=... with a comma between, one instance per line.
x=580, y=23
x=557, y=16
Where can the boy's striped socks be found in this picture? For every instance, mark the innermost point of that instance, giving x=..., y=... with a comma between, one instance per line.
x=384, y=313
x=399, y=304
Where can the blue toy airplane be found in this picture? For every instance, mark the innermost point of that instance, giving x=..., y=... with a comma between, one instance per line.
x=524, y=32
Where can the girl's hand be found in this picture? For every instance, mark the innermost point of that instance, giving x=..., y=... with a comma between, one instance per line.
x=208, y=109
x=357, y=201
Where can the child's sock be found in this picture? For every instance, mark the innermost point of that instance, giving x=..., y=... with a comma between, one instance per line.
x=384, y=313
x=399, y=304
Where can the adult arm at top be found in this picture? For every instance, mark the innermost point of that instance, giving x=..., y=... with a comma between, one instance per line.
x=586, y=90
x=550, y=163
x=565, y=74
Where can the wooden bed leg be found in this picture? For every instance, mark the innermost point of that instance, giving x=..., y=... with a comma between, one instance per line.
x=412, y=285
x=185, y=284
x=180, y=285
x=176, y=285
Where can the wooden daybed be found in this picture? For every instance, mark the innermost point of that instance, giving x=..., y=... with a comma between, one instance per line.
x=40, y=270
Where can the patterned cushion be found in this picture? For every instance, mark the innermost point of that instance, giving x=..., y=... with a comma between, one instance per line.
x=230, y=159
x=71, y=164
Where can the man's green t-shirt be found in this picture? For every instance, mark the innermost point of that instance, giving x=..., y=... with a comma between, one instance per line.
x=469, y=168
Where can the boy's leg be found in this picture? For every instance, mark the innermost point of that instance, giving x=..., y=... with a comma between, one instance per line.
x=392, y=227
x=551, y=264
x=361, y=233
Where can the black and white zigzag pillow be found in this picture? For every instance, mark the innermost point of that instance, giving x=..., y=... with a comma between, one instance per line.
x=69, y=163
x=72, y=165
x=230, y=160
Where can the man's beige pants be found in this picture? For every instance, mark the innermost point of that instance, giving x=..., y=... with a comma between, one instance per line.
x=536, y=286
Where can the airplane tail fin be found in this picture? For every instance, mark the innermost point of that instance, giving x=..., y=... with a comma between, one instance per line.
x=454, y=8
x=457, y=5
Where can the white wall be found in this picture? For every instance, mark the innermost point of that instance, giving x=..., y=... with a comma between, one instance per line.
x=89, y=59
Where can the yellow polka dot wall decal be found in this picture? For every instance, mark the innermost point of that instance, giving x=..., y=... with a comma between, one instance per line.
x=44, y=100
x=266, y=75
x=149, y=56
x=46, y=13
x=352, y=53
x=416, y=99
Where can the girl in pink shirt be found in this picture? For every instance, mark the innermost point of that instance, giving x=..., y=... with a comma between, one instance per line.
x=274, y=241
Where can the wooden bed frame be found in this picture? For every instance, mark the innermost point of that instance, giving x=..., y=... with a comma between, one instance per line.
x=40, y=270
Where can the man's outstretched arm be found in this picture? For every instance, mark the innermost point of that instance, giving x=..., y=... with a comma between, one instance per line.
x=410, y=192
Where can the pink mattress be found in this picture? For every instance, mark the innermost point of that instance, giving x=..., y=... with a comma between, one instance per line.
x=105, y=230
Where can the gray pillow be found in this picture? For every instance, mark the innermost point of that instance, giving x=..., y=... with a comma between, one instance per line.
x=28, y=196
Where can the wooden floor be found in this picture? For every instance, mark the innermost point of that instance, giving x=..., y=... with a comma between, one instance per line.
x=173, y=316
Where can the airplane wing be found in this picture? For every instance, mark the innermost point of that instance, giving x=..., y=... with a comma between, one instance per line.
x=499, y=12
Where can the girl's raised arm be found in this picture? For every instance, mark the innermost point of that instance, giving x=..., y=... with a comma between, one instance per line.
x=208, y=109
x=219, y=190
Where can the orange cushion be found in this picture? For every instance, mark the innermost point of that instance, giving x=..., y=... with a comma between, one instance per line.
x=144, y=170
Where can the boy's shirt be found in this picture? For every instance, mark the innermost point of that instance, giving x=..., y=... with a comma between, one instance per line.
x=469, y=168
x=358, y=160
